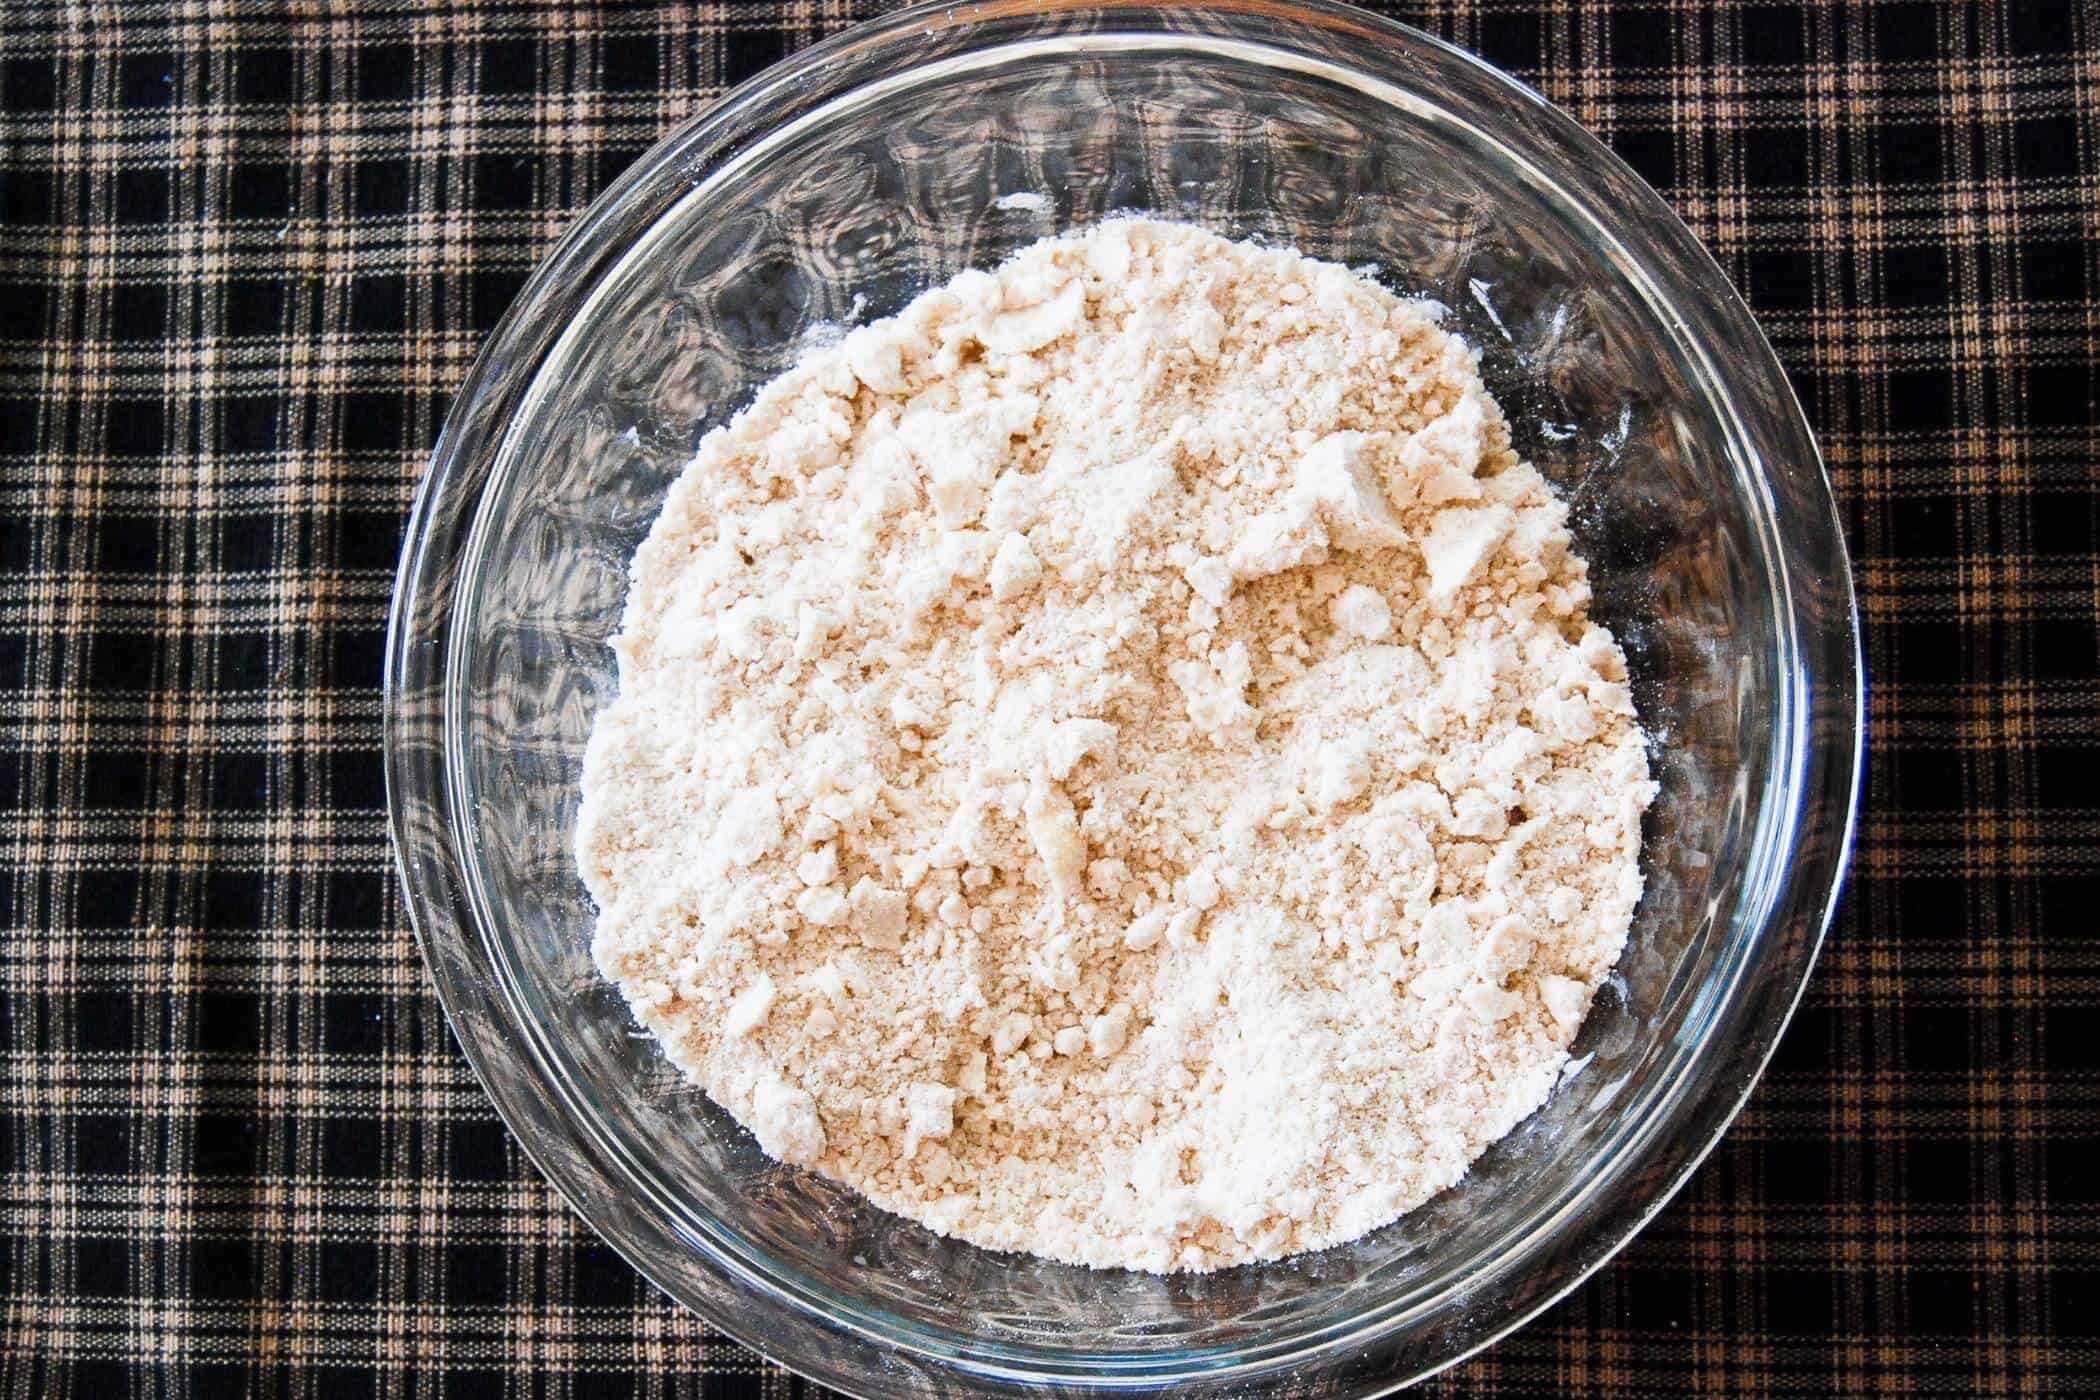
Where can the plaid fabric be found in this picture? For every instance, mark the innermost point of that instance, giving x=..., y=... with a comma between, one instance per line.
x=247, y=251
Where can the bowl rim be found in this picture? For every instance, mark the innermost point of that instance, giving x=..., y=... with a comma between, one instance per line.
x=803, y=1328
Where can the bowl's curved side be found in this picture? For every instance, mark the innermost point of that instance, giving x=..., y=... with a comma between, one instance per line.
x=429, y=831
x=1806, y=816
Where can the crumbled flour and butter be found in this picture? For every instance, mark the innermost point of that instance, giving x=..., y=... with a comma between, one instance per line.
x=1111, y=762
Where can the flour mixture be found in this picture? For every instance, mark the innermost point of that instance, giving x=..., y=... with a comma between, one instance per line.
x=1112, y=761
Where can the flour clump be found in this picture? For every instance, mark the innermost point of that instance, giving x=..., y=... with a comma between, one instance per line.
x=1113, y=762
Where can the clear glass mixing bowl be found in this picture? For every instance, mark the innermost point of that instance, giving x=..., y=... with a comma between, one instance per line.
x=832, y=190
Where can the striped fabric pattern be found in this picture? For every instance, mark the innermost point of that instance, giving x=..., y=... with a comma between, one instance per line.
x=247, y=252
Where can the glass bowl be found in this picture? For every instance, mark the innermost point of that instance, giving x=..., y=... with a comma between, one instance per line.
x=830, y=191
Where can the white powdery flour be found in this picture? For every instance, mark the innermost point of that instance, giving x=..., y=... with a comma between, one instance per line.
x=1111, y=762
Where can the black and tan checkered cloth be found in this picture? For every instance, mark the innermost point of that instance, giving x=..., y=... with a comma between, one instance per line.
x=248, y=249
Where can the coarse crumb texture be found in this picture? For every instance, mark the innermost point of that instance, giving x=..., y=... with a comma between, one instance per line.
x=1111, y=761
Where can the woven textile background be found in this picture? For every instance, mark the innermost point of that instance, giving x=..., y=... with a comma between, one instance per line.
x=246, y=252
